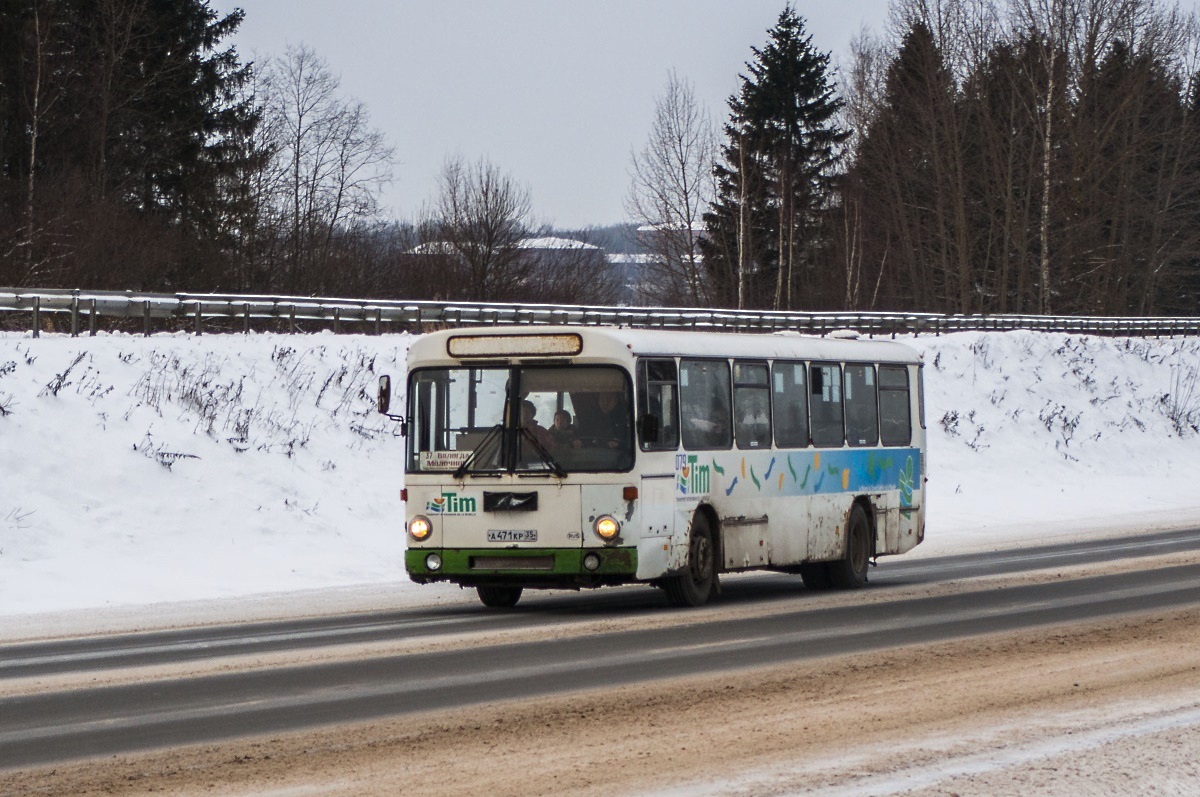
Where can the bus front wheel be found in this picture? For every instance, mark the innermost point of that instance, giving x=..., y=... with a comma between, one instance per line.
x=698, y=581
x=499, y=597
x=850, y=572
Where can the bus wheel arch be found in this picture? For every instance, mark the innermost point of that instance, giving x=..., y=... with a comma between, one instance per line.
x=850, y=572
x=697, y=582
x=714, y=526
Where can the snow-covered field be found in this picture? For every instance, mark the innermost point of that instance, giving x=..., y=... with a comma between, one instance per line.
x=138, y=471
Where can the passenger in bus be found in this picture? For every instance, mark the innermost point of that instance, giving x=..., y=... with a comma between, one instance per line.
x=609, y=426
x=562, y=432
x=529, y=421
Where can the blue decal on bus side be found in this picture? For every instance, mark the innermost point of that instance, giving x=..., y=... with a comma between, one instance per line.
x=837, y=471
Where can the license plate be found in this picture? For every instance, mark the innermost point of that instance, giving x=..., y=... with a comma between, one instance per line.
x=512, y=535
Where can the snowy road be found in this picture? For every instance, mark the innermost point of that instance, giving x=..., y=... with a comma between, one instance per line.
x=82, y=654
x=151, y=691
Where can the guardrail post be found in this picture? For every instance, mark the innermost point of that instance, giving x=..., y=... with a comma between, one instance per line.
x=92, y=319
x=246, y=319
x=199, y=319
x=75, y=314
x=37, y=316
x=378, y=320
x=146, y=316
x=337, y=320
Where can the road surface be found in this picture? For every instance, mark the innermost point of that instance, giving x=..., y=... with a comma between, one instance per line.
x=789, y=690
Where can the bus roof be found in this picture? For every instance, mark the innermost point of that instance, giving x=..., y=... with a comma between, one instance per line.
x=607, y=343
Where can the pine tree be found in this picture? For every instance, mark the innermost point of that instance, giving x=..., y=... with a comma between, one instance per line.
x=1135, y=187
x=180, y=92
x=126, y=120
x=1005, y=181
x=900, y=176
x=782, y=145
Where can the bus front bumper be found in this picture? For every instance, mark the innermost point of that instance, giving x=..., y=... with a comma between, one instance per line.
x=531, y=567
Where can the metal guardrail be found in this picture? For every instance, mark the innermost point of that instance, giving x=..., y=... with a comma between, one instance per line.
x=191, y=310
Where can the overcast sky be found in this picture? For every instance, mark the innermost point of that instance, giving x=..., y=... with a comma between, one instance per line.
x=555, y=93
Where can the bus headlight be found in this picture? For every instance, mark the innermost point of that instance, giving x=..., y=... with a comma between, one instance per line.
x=606, y=527
x=419, y=528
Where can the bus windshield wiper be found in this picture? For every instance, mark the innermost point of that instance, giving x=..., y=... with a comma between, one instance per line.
x=547, y=458
x=488, y=439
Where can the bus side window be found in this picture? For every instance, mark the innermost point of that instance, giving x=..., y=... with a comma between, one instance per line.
x=704, y=398
x=921, y=394
x=862, y=409
x=789, y=406
x=825, y=405
x=751, y=405
x=658, y=405
x=895, y=417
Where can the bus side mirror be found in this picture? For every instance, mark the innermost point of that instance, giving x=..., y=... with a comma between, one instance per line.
x=649, y=430
x=384, y=399
x=383, y=402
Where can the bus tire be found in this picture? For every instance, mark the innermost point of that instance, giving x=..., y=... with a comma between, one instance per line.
x=698, y=582
x=850, y=572
x=498, y=596
x=815, y=575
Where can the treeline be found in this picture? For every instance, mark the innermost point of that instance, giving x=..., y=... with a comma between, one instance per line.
x=983, y=156
x=1006, y=156
x=138, y=151
x=1027, y=157
x=126, y=143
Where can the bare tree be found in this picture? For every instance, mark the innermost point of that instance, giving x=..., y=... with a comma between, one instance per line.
x=329, y=164
x=672, y=187
x=43, y=91
x=478, y=220
x=862, y=87
x=1055, y=19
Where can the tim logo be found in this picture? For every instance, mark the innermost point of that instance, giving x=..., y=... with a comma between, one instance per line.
x=451, y=504
x=694, y=478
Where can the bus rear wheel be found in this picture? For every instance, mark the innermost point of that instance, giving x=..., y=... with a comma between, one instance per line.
x=698, y=582
x=850, y=572
x=499, y=597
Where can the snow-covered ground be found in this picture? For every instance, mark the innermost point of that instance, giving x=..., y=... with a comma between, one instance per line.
x=145, y=471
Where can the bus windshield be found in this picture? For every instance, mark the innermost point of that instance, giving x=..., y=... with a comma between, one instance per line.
x=495, y=419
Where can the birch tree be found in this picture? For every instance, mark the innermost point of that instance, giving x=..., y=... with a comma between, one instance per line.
x=671, y=188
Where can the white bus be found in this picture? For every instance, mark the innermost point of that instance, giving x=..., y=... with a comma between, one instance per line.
x=572, y=457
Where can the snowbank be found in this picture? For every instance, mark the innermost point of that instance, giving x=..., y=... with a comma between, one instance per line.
x=1034, y=435
x=142, y=470
x=138, y=470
